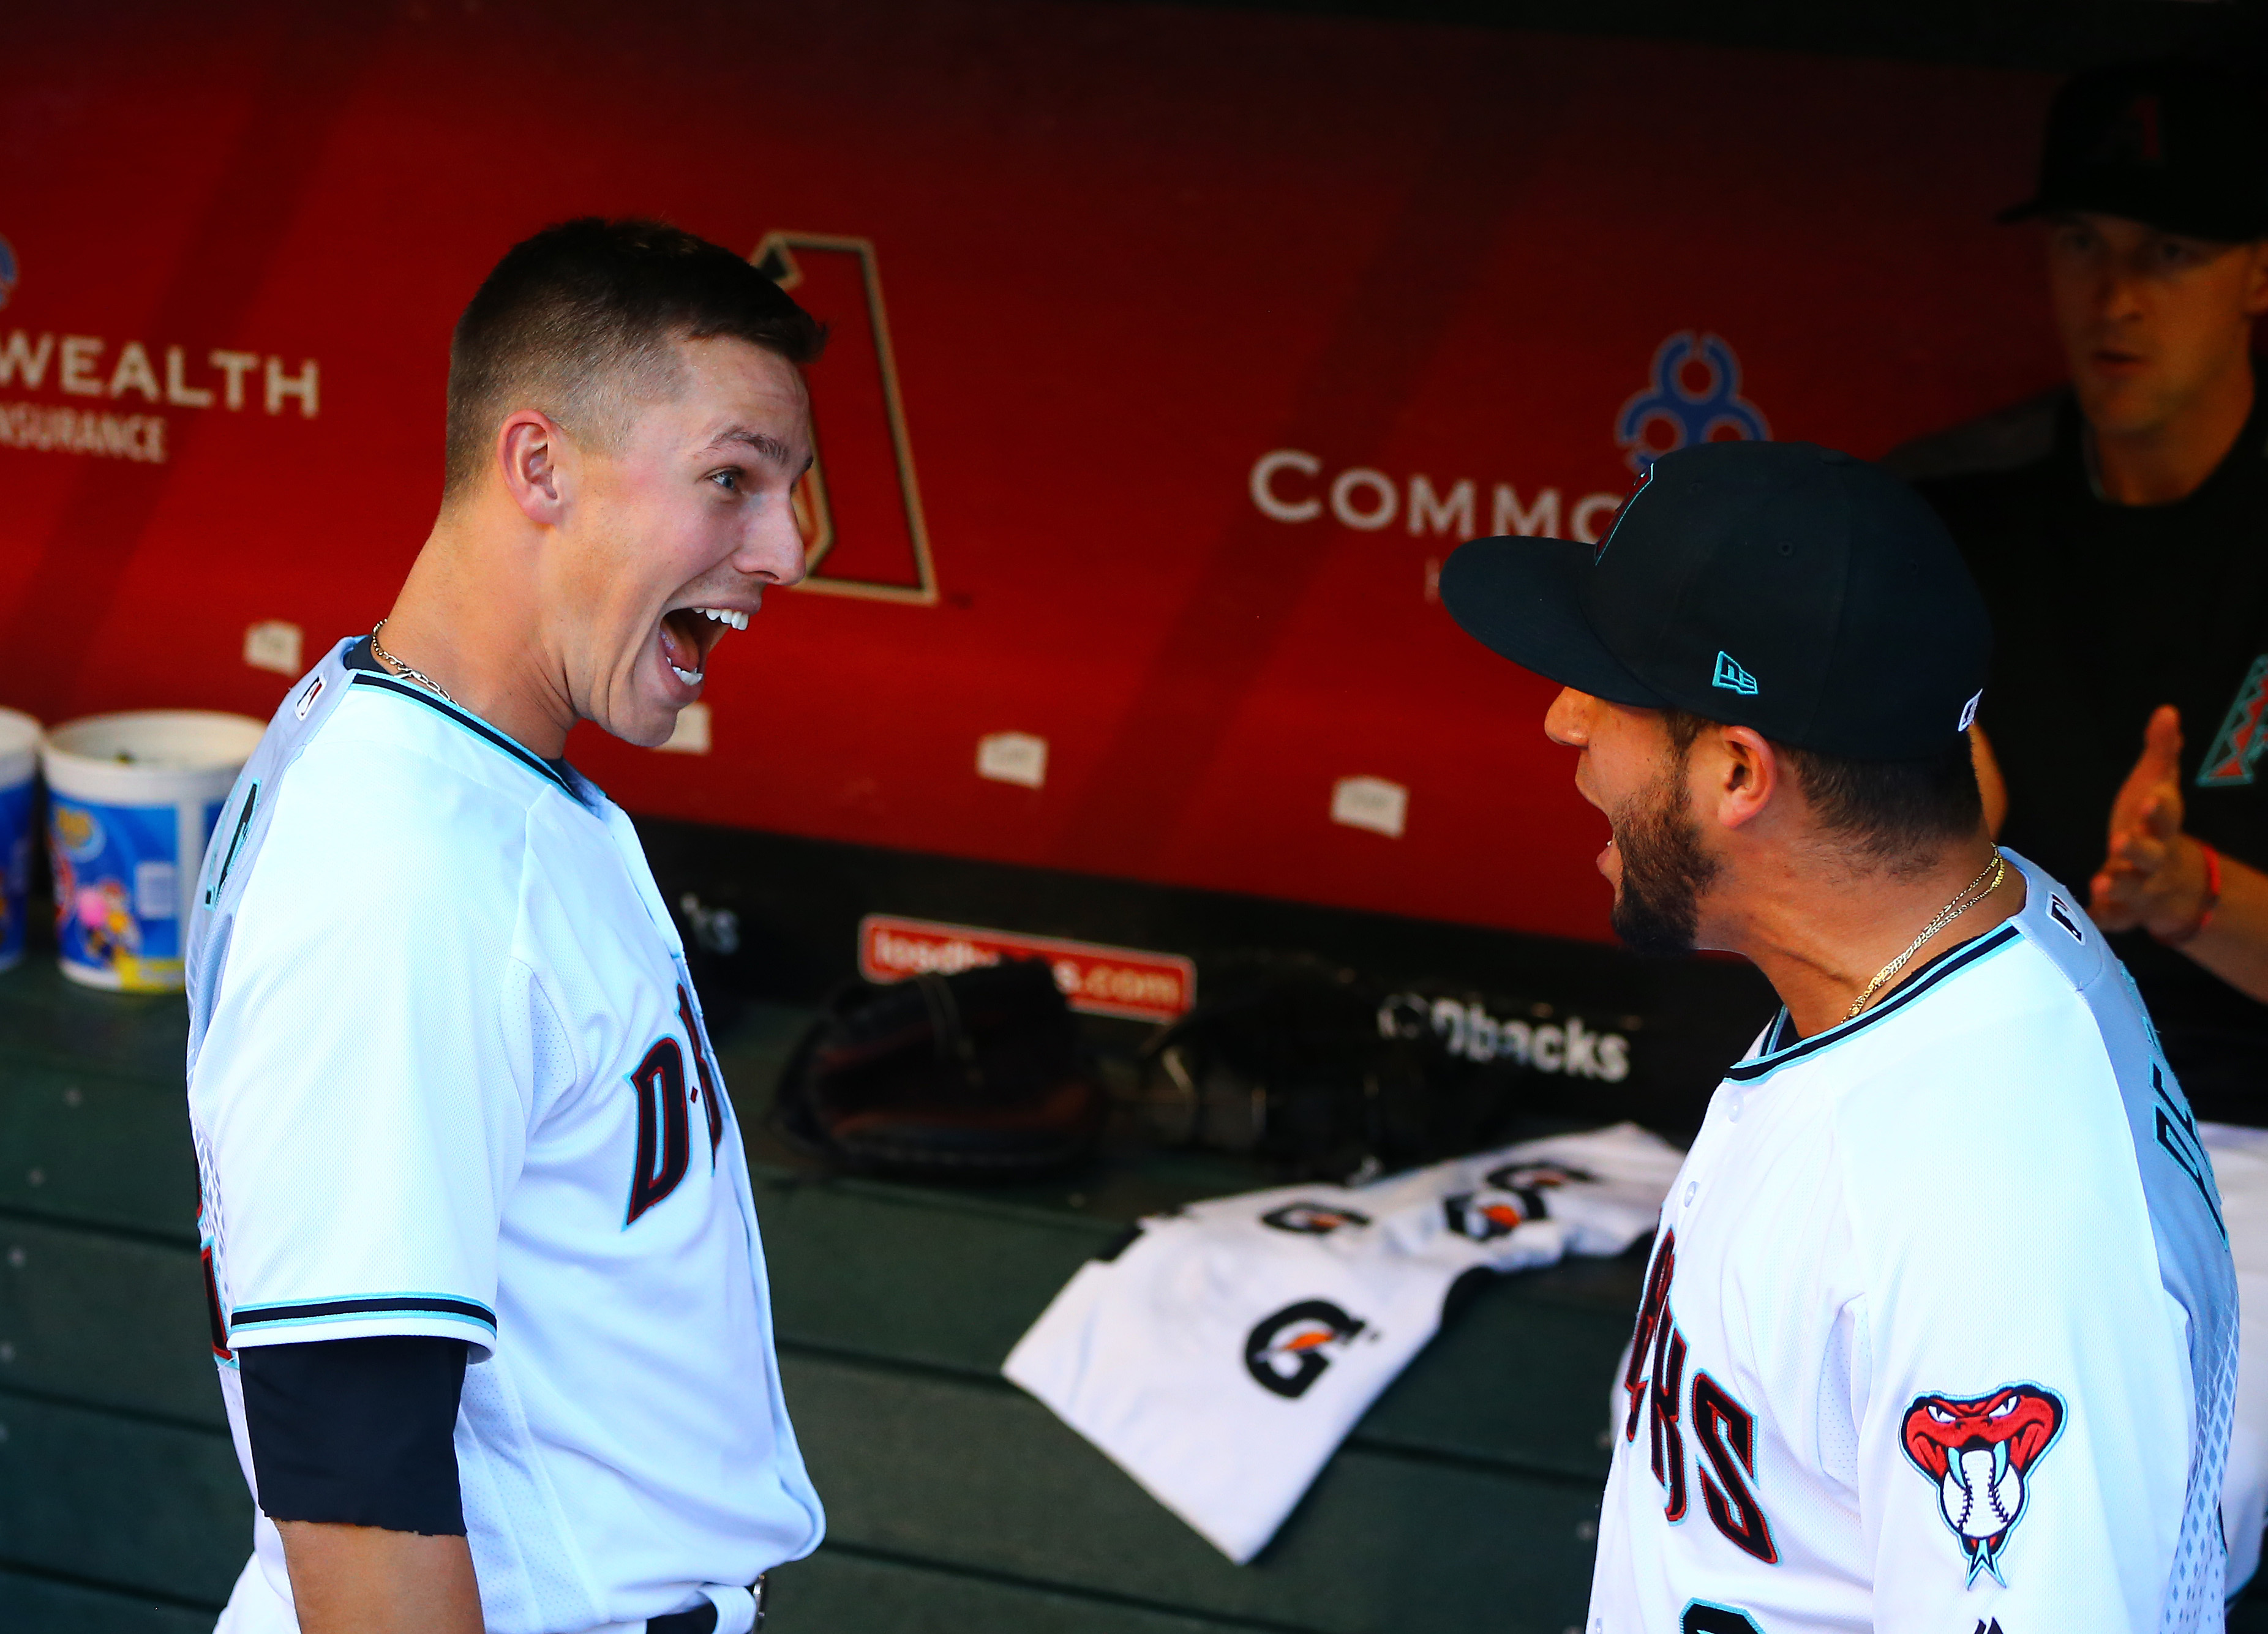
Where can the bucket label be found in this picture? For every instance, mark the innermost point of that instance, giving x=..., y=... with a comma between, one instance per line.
x=15, y=868
x=118, y=908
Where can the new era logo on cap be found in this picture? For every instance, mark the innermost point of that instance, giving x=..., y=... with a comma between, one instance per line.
x=1733, y=678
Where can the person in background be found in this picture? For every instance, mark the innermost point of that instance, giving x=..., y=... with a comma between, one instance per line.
x=2118, y=530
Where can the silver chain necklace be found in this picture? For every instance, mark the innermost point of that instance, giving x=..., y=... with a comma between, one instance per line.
x=404, y=670
x=1970, y=895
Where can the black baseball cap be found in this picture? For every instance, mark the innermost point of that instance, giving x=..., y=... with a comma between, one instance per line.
x=1777, y=585
x=2177, y=145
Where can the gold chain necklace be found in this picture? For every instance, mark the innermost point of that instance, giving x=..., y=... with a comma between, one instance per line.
x=417, y=676
x=1995, y=871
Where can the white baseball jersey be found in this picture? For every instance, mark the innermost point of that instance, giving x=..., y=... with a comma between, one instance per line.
x=447, y=1077
x=1939, y=1332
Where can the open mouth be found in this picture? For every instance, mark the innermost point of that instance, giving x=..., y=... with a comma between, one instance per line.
x=688, y=635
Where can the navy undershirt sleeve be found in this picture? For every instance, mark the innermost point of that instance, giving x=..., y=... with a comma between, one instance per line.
x=358, y=1431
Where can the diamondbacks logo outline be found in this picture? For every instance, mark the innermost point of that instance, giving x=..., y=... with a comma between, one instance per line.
x=2240, y=741
x=2137, y=135
x=1979, y=1452
x=861, y=327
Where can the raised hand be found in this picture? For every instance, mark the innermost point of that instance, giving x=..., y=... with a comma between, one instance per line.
x=2152, y=875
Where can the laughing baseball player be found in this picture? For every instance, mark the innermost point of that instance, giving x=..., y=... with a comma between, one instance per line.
x=487, y=1293
x=1940, y=1329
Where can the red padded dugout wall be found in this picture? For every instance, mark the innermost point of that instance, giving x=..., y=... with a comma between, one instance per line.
x=1120, y=256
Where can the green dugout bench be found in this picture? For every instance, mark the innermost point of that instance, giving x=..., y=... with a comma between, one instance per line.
x=1466, y=1499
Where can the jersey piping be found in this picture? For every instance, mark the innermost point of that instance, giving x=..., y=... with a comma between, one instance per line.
x=471, y=723
x=442, y=1306
x=1945, y=966
x=235, y=841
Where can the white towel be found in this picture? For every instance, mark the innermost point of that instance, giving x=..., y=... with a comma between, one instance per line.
x=1221, y=1356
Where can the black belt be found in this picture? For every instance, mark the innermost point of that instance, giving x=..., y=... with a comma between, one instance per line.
x=703, y=1618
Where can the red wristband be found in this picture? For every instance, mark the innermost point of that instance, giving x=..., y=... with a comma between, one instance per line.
x=2211, y=899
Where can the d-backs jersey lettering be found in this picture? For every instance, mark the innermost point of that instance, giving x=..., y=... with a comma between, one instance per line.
x=447, y=1076
x=1940, y=1329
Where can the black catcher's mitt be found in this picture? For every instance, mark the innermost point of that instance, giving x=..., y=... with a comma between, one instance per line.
x=974, y=1076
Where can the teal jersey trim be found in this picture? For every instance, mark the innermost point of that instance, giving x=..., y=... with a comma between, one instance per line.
x=1945, y=966
x=300, y=1312
x=473, y=723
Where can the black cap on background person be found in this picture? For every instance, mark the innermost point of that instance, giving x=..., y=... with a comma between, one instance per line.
x=1782, y=586
x=2175, y=144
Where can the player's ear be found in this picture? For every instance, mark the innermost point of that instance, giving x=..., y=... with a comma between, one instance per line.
x=2256, y=290
x=530, y=450
x=1746, y=775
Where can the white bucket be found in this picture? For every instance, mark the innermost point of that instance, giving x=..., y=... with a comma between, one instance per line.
x=19, y=767
x=131, y=801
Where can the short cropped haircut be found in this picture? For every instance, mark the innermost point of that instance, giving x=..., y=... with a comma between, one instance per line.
x=1892, y=812
x=582, y=321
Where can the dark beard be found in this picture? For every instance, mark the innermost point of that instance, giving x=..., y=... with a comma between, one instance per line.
x=1658, y=911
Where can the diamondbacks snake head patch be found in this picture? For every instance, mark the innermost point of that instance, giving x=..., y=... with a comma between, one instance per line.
x=1979, y=1450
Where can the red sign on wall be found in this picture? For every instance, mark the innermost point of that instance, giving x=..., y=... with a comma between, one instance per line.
x=1203, y=378
x=1101, y=981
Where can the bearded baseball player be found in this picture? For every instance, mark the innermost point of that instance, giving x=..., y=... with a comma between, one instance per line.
x=488, y=1296
x=1940, y=1329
